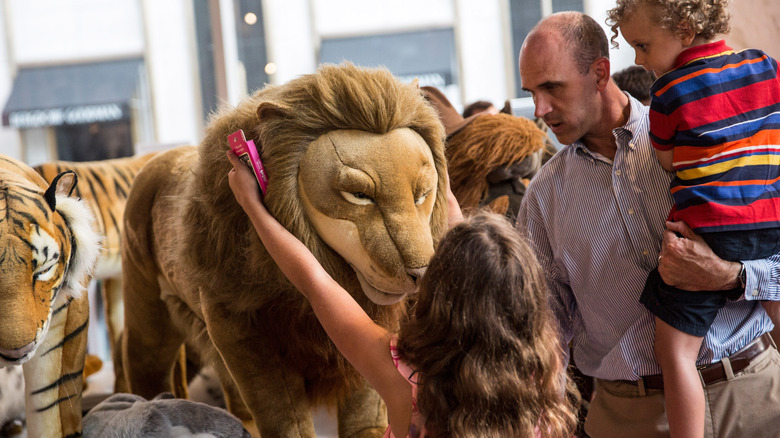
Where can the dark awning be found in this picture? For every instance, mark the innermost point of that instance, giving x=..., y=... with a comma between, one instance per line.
x=72, y=94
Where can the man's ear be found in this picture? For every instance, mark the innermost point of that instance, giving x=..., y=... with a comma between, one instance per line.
x=601, y=68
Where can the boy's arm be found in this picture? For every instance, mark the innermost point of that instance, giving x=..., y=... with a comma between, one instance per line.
x=666, y=159
x=365, y=344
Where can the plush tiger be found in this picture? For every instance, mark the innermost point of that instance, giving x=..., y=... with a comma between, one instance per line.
x=104, y=185
x=48, y=249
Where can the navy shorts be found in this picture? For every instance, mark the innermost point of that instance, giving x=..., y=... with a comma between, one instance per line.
x=693, y=312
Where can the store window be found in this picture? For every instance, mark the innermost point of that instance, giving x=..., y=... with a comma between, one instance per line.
x=95, y=110
x=250, y=37
x=524, y=15
x=428, y=55
x=94, y=141
x=208, y=53
x=251, y=47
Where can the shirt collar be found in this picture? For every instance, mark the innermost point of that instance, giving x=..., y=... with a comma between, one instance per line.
x=702, y=51
x=638, y=114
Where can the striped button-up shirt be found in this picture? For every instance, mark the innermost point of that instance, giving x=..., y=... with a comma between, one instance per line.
x=597, y=226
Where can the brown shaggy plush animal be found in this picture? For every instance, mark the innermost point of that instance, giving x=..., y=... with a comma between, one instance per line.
x=357, y=172
x=490, y=157
x=488, y=143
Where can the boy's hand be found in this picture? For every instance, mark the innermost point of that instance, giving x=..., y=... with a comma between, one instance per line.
x=243, y=183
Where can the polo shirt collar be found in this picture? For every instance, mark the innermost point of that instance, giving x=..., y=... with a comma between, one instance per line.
x=702, y=51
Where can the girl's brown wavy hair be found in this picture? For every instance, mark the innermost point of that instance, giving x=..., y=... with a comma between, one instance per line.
x=482, y=338
x=706, y=18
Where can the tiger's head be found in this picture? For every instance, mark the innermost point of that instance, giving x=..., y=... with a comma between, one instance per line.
x=47, y=252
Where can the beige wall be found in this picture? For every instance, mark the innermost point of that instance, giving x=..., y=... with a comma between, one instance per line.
x=755, y=24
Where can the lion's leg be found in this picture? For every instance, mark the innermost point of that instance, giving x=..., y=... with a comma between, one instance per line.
x=180, y=380
x=233, y=401
x=362, y=415
x=274, y=395
x=150, y=341
x=120, y=384
x=114, y=310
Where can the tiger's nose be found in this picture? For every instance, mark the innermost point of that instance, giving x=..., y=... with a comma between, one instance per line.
x=16, y=353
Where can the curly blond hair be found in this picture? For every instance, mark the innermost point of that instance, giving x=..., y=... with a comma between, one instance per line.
x=706, y=18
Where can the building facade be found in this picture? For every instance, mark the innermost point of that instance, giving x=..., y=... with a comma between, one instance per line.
x=95, y=79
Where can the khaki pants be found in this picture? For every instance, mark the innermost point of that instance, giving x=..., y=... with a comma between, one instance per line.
x=747, y=405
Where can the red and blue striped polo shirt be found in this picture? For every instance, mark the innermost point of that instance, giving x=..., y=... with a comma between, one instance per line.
x=720, y=112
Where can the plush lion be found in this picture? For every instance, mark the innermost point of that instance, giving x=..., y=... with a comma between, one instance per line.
x=491, y=157
x=356, y=169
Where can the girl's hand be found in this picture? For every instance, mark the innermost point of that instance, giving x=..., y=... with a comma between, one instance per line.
x=243, y=183
x=454, y=214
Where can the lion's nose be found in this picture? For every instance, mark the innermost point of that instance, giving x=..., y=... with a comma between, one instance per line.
x=416, y=275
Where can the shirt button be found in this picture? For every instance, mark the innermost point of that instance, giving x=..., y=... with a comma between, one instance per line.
x=755, y=292
x=630, y=211
x=645, y=252
x=631, y=145
x=618, y=172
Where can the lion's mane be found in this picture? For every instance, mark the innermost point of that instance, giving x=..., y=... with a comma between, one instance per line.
x=220, y=246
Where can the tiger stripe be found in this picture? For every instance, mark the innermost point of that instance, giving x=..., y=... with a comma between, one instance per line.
x=105, y=185
x=48, y=249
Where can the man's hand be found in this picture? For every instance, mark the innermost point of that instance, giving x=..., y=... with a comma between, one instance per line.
x=687, y=262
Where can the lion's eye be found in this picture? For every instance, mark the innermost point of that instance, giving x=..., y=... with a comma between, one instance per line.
x=422, y=198
x=358, y=198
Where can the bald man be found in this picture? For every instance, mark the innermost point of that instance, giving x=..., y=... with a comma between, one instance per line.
x=596, y=216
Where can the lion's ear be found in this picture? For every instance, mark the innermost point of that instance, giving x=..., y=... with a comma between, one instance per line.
x=270, y=110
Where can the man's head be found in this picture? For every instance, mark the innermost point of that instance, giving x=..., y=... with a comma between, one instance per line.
x=564, y=64
x=480, y=106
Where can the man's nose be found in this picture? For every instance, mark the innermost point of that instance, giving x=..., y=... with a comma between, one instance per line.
x=541, y=107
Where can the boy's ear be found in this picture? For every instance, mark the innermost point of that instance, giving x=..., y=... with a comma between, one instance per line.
x=686, y=33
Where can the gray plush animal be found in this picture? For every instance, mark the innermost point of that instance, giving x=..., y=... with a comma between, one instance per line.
x=132, y=416
x=11, y=401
